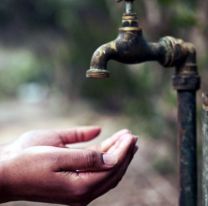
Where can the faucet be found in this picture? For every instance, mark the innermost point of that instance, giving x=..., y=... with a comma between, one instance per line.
x=130, y=47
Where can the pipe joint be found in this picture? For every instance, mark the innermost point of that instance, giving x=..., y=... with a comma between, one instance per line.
x=183, y=82
x=176, y=51
x=182, y=55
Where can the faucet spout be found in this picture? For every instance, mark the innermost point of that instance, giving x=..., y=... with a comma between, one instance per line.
x=100, y=58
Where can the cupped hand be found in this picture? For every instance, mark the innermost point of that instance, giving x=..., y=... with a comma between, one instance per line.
x=39, y=166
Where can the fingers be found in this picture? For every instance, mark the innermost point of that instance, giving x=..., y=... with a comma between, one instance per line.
x=115, y=177
x=58, y=138
x=120, y=172
x=110, y=142
x=107, y=144
x=119, y=151
x=122, y=152
x=76, y=135
x=83, y=161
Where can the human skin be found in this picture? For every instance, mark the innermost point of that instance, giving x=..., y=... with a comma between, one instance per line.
x=39, y=166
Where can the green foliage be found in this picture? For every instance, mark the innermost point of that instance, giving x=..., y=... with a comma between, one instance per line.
x=20, y=67
x=184, y=16
x=166, y=2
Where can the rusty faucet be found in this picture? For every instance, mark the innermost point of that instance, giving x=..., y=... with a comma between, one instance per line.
x=130, y=47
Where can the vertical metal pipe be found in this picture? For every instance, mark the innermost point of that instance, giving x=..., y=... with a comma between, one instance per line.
x=187, y=146
x=205, y=152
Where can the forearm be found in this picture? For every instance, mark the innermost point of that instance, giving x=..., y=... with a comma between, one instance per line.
x=4, y=192
x=3, y=188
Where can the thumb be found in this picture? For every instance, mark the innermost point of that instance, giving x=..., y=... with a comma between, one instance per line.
x=85, y=160
x=76, y=135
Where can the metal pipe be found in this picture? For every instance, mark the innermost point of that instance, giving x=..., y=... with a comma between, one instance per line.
x=187, y=148
x=186, y=81
x=205, y=151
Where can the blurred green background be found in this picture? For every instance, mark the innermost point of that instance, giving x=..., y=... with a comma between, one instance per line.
x=46, y=47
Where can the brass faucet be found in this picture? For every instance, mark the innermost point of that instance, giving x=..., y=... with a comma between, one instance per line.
x=130, y=47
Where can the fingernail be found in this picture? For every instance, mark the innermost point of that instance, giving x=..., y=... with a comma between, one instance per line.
x=109, y=159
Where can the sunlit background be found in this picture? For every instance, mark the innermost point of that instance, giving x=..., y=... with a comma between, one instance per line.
x=45, y=50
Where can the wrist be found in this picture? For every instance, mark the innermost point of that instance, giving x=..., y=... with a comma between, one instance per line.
x=3, y=186
x=5, y=195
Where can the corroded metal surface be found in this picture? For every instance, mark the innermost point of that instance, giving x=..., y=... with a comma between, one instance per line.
x=186, y=81
x=205, y=151
x=98, y=74
x=130, y=47
x=187, y=148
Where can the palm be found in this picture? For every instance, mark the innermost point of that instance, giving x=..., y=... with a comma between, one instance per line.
x=62, y=138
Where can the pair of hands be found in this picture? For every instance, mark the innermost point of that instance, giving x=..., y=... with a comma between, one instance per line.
x=40, y=167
